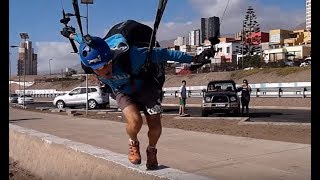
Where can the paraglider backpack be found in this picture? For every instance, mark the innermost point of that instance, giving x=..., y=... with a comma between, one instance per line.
x=136, y=34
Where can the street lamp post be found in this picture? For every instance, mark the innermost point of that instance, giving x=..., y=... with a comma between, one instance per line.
x=50, y=67
x=242, y=39
x=87, y=19
x=24, y=36
x=87, y=2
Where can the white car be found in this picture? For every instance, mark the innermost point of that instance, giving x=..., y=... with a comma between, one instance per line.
x=25, y=99
x=306, y=62
x=78, y=97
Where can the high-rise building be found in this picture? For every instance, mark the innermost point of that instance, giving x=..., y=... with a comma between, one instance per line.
x=308, y=15
x=194, y=37
x=210, y=27
x=27, y=62
x=180, y=41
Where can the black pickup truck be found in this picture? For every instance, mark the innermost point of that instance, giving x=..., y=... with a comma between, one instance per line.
x=220, y=97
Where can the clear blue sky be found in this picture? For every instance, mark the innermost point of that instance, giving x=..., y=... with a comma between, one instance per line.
x=40, y=18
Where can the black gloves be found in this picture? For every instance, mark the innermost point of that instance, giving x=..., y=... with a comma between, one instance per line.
x=66, y=31
x=204, y=57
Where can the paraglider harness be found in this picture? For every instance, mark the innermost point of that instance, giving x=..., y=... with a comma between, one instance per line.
x=136, y=34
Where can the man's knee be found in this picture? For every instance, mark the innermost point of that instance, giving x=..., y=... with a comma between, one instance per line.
x=154, y=121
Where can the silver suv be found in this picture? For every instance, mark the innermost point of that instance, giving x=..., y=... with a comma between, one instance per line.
x=78, y=97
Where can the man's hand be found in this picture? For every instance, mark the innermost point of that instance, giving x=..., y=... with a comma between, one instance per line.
x=204, y=57
x=66, y=31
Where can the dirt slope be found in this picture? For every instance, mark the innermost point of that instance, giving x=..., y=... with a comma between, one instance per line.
x=298, y=75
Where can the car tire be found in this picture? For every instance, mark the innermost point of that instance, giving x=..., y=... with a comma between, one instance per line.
x=92, y=104
x=204, y=113
x=60, y=104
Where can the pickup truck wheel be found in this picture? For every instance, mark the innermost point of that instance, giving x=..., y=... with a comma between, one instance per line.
x=204, y=113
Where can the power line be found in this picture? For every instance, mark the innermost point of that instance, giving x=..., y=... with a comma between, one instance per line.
x=225, y=9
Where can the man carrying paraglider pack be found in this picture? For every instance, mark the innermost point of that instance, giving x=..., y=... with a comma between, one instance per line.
x=120, y=61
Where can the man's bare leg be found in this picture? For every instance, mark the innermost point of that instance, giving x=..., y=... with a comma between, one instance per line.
x=155, y=128
x=154, y=133
x=134, y=124
x=134, y=121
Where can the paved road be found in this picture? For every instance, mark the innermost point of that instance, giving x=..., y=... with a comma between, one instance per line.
x=210, y=155
x=257, y=115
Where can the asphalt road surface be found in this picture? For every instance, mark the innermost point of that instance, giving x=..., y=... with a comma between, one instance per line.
x=257, y=115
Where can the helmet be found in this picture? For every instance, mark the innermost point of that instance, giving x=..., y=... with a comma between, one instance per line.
x=96, y=54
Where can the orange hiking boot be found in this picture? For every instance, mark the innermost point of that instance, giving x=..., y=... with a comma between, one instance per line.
x=152, y=162
x=134, y=152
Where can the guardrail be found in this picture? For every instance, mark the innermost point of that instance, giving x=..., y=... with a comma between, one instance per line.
x=304, y=92
x=279, y=90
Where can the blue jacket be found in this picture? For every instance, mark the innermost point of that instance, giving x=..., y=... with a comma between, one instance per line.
x=120, y=81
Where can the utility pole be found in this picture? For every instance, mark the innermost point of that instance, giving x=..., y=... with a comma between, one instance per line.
x=87, y=2
x=50, y=67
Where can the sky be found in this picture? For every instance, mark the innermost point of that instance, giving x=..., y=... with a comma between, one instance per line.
x=41, y=20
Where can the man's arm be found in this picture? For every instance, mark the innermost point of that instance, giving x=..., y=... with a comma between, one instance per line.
x=76, y=37
x=160, y=55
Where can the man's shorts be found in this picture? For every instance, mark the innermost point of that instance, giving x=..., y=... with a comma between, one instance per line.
x=148, y=100
x=182, y=101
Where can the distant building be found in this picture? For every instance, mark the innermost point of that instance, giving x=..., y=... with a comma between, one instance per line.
x=289, y=52
x=277, y=36
x=194, y=37
x=27, y=62
x=280, y=37
x=180, y=41
x=258, y=38
x=237, y=36
x=210, y=27
x=308, y=15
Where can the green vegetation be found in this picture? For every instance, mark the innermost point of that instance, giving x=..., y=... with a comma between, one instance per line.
x=279, y=71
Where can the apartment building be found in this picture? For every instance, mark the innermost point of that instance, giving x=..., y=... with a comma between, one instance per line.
x=210, y=27
x=180, y=41
x=194, y=37
x=308, y=15
x=27, y=62
x=287, y=52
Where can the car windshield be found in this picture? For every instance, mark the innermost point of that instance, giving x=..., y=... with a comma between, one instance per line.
x=224, y=86
x=27, y=95
x=13, y=95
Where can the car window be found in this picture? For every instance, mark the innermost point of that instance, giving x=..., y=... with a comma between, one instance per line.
x=221, y=86
x=84, y=90
x=93, y=89
x=75, y=91
x=13, y=95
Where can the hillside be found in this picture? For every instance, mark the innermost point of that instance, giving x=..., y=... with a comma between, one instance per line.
x=292, y=74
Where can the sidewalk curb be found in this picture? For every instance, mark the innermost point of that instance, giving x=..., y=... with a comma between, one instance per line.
x=49, y=156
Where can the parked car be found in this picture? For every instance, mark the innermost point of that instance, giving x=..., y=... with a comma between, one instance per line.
x=306, y=62
x=220, y=97
x=13, y=98
x=97, y=97
x=288, y=62
x=25, y=99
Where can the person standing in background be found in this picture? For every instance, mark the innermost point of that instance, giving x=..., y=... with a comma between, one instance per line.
x=182, y=99
x=245, y=96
